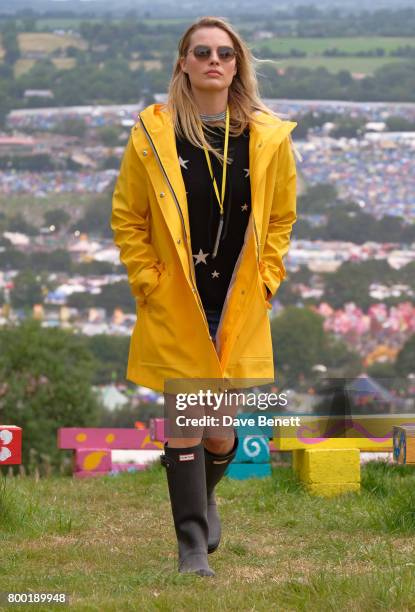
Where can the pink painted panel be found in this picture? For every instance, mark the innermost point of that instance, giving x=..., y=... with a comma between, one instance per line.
x=157, y=429
x=92, y=460
x=103, y=437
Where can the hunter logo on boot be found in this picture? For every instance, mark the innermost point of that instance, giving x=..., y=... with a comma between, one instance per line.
x=188, y=457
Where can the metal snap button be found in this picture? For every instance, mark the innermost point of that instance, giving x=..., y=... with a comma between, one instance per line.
x=144, y=152
x=162, y=194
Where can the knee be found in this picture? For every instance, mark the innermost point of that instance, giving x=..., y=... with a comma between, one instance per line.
x=183, y=442
x=219, y=446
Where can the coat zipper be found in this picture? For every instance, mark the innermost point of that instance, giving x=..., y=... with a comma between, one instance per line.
x=256, y=238
x=192, y=270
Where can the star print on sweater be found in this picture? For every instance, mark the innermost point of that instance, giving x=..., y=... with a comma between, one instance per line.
x=200, y=257
x=183, y=162
x=213, y=275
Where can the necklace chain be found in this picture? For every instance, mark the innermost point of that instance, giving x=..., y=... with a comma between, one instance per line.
x=216, y=117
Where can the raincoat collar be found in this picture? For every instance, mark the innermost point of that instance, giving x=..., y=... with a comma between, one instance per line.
x=271, y=128
x=264, y=141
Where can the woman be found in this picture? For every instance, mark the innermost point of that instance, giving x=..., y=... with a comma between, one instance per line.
x=202, y=213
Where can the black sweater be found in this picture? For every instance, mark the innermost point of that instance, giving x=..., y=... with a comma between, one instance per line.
x=213, y=275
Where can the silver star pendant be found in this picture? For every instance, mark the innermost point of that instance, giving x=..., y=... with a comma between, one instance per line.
x=200, y=257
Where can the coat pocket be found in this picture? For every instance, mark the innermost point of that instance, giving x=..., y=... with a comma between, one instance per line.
x=264, y=291
x=148, y=295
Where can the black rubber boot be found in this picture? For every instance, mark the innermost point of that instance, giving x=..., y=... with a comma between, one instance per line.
x=185, y=468
x=215, y=469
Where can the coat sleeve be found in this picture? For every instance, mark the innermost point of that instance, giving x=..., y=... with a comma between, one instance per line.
x=282, y=218
x=130, y=224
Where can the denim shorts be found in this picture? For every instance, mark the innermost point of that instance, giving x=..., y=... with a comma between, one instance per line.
x=213, y=317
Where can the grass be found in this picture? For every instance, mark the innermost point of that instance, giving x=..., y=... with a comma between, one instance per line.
x=109, y=543
x=350, y=44
x=314, y=47
x=48, y=42
x=359, y=65
x=147, y=64
x=24, y=65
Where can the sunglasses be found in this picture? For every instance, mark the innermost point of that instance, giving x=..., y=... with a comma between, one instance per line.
x=203, y=52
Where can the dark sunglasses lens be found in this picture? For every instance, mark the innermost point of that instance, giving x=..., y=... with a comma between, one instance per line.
x=201, y=52
x=226, y=53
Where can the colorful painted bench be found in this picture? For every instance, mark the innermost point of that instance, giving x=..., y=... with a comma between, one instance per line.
x=10, y=445
x=93, y=448
x=330, y=466
x=404, y=444
x=252, y=459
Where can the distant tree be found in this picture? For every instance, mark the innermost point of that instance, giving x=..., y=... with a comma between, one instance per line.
x=72, y=127
x=81, y=300
x=10, y=42
x=111, y=355
x=27, y=290
x=45, y=383
x=343, y=224
x=58, y=260
x=318, y=198
x=12, y=259
x=129, y=414
x=18, y=223
x=405, y=359
x=389, y=229
x=347, y=127
x=116, y=295
x=58, y=218
x=94, y=267
x=29, y=24
x=96, y=220
x=351, y=282
x=299, y=341
x=109, y=135
x=382, y=370
x=395, y=123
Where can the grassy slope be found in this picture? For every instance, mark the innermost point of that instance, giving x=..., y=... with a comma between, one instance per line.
x=109, y=543
x=316, y=46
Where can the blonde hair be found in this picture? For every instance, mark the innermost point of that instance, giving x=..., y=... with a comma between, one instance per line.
x=243, y=95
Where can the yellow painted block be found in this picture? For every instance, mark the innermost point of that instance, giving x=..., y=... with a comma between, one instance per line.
x=330, y=490
x=311, y=431
x=297, y=460
x=330, y=466
x=363, y=444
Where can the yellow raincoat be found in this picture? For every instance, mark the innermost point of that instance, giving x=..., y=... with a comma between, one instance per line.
x=150, y=222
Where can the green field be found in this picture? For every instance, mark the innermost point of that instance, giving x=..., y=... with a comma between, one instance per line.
x=109, y=543
x=364, y=65
x=316, y=46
